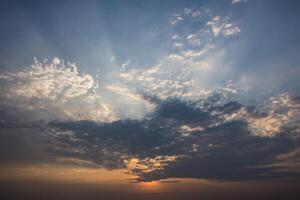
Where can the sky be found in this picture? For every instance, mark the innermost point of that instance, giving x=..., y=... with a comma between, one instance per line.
x=149, y=99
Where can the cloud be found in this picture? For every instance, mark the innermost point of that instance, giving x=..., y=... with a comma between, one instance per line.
x=272, y=117
x=124, y=65
x=127, y=103
x=218, y=25
x=183, y=140
x=186, y=76
x=146, y=165
x=189, y=70
x=286, y=162
x=180, y=118
x=181, y=131
x=48, y=81
x=175, y=37
x=196, y=62
x=193, y=39
x=52, y=90
x=238, y=1
x=177, y=18
x=178, y=139
x=222, y=26
x=159, y=80
x=188, y=13
x=197, y=13
x=177, y=45
x=186, y=130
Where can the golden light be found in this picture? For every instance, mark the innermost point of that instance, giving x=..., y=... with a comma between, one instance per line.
x=150, y=186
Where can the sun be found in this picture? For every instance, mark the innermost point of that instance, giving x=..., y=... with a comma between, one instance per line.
x=151, y=185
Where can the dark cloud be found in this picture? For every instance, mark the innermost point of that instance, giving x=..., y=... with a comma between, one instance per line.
x=221, y=151
x=22, y=143
x=180, y=139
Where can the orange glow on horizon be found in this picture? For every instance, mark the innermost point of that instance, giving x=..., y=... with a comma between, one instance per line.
x=66, y=174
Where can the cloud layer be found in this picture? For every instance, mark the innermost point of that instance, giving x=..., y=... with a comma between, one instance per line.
x=183, y=117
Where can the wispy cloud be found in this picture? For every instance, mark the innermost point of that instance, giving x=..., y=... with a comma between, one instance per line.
x=274, y=116
x=222, y=26
x=51, y=89
x=238, y=1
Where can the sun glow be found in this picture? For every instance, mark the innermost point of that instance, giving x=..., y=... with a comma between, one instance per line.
x=67, y=174
x=150, y=186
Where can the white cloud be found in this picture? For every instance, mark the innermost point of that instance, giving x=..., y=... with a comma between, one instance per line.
x=222, y=27
x=124, y=65
x=230, y=29
x=275, y=114
x=51, y=89
x=177, y=45
x=187, y=130
x=193, y=39
x=158, y=80
x=125, y=91
x=49, y=81
x=176, y=20
x=196, y=53
x=176, y=76
x=237, y=1
x=188, y=71
x=187, y=13
x=197, y=13
x=175, y=37
x=126, y=103
x=195, y=65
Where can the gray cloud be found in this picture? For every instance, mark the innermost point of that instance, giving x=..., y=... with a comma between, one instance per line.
x=208, y=135
x=155, y=148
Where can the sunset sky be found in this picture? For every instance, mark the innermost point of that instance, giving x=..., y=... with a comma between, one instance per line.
x=136, y=99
